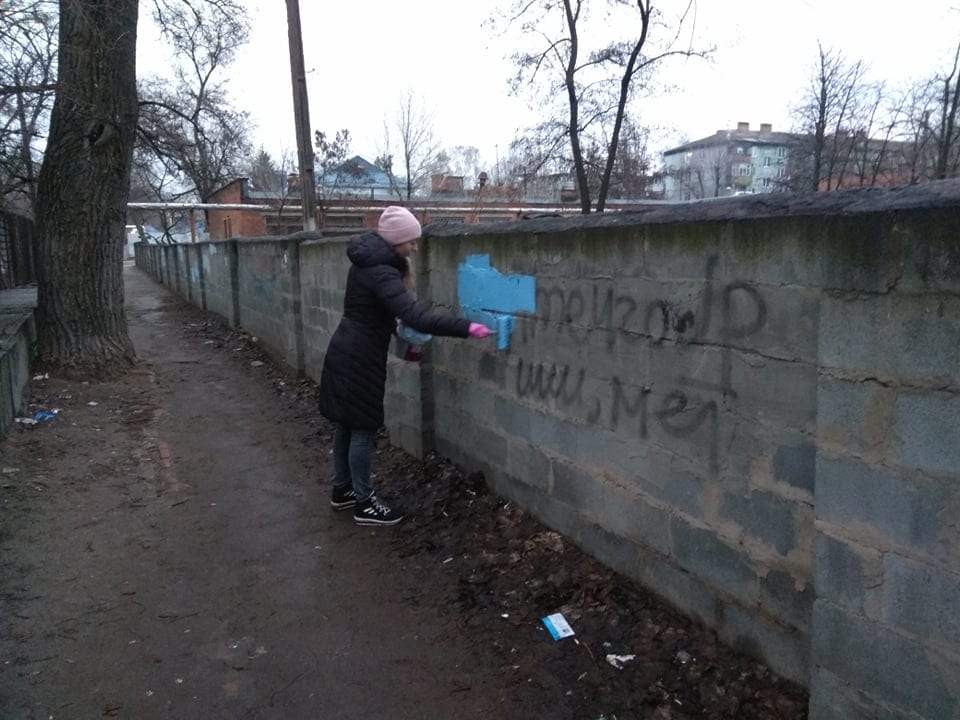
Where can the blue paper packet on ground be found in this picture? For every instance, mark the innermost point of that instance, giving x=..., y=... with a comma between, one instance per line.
x=558, y=626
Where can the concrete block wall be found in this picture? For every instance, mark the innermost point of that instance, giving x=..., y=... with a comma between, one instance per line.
x=165, y=265
x=268, y=290
x=196, y=287
x=887, y=498
x=791, y=475
x=323, y=279
x=180, y=271
x=644, y=406
x=18, y=332
x=218, y=277
x=750, y=406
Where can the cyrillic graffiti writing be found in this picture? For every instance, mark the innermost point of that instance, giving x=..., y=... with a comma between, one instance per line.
x=681, y=410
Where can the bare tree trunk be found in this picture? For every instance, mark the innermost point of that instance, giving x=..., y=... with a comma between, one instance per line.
x=573, y=101
x=83, y=189
x=644, y=7
x=947, y=135
x=27, y=129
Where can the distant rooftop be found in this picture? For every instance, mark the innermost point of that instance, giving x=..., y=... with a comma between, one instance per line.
x=742, y=134
x=356, y=173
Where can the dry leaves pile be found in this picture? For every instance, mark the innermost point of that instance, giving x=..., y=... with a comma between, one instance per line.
x=505, y=571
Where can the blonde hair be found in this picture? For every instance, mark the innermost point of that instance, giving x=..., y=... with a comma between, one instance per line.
x=410, y=278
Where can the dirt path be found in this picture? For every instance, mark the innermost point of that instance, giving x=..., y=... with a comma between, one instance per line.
x=167, y=552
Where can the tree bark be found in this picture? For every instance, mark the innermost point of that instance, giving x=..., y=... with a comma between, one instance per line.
x=83, y=190
x=573, y=102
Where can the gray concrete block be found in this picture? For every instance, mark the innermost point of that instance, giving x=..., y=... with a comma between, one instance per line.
x=765, y=516
x=846, y=575
x=514, y=419
x=528, y=497
x=688, y=593
x=904, y=510
x=769, y=391
x=556, y=435
x=859, y=254
x=578, y=488
x=777, y=322
x=526, y=462
x=681, y=251
x=922, y=599
x=445, y=386
x=702, y=552
x=493, y=370
x=453, y=451
x=667, y=478
x=629, y=516
x=404, y=378
x=765, y=250
x=927, y=429
x=475, y=401
x=789, y=599
x=917, y=340
x=792, y=323
x=854, y=416
x=682, y=420
x=452, y=426
x=885, y=666
x=785, y=649
x=833, y=699
x=932, y=255
x=408, y=437
x=487, y=444
x=796, y=465
x=614, y=551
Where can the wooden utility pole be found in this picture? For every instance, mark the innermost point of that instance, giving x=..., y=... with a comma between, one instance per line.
x=301, y=112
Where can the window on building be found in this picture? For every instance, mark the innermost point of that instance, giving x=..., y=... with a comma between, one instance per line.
x=766, y=162
x=781, y=152
x=447, y=219
x=283, y=226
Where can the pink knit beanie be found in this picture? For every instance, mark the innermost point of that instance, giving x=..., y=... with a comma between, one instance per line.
x=398, y=225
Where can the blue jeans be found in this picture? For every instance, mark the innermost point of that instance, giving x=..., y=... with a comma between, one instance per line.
x=352, y=460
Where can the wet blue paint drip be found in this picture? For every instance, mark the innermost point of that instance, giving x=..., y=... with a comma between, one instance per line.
x=488, y=296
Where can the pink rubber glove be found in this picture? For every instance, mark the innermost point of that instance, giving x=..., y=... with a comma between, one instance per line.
x=478, y=331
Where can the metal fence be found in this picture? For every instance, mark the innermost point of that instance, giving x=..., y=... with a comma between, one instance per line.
x=17, y=267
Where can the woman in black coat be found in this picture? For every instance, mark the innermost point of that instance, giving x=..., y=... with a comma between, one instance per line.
x=355, y=366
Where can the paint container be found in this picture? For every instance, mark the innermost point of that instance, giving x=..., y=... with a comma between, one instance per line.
x=410, y=343
x=413, y=353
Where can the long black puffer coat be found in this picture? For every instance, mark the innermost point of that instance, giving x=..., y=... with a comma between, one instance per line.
x=355, y=366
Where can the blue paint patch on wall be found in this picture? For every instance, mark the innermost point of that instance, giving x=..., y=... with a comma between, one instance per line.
x=488, y=296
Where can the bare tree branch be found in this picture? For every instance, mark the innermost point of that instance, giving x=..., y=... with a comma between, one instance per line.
x=597, y=84
x=189, y=122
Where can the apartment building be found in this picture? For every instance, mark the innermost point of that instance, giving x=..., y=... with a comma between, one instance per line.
x=730, y=162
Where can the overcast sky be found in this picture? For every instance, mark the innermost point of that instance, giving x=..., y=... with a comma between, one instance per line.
x=362, y=55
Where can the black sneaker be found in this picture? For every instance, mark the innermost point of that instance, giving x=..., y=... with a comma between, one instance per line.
x=373, y=512
x=343, y=498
